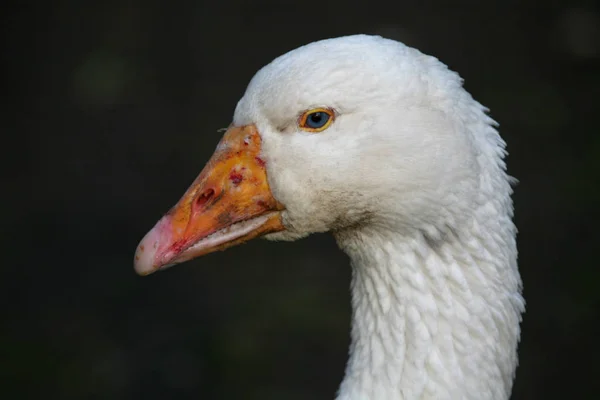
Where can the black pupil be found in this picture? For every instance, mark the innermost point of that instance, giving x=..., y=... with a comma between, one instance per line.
x=316, y=118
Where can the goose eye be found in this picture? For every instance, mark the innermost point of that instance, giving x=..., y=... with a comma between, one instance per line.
x=316, y=120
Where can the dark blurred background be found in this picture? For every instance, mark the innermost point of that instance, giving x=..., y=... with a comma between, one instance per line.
x=112, y=108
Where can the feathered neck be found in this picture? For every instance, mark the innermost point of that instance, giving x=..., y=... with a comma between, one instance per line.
x=433, y=318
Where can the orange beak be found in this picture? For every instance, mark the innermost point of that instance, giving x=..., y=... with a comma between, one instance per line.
x=229, y=203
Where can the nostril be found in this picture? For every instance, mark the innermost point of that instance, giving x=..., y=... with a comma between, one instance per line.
x=204, y=198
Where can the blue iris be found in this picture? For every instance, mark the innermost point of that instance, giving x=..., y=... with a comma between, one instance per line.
x=317, y=119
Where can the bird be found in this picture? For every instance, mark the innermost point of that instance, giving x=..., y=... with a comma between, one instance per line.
x=382, y=146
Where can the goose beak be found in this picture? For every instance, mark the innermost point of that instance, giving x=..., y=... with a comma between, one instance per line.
x=229, y=203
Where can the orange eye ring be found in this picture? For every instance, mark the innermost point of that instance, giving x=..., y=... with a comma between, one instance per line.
x=316, y=120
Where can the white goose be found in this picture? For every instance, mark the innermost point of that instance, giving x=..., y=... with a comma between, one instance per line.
x=379, y=144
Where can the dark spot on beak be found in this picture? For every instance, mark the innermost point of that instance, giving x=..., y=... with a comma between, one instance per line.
x=236, y=177
x=260, y=161
x=224, y=218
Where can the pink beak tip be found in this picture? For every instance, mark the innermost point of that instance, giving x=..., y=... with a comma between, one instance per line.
x=151, y=246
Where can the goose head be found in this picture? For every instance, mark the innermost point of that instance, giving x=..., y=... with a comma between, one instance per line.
x=346, y=132
x=381, y=145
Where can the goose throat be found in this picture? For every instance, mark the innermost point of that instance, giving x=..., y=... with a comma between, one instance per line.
x=426, y=321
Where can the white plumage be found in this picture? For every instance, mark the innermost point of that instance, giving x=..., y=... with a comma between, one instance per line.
x=411, y=181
